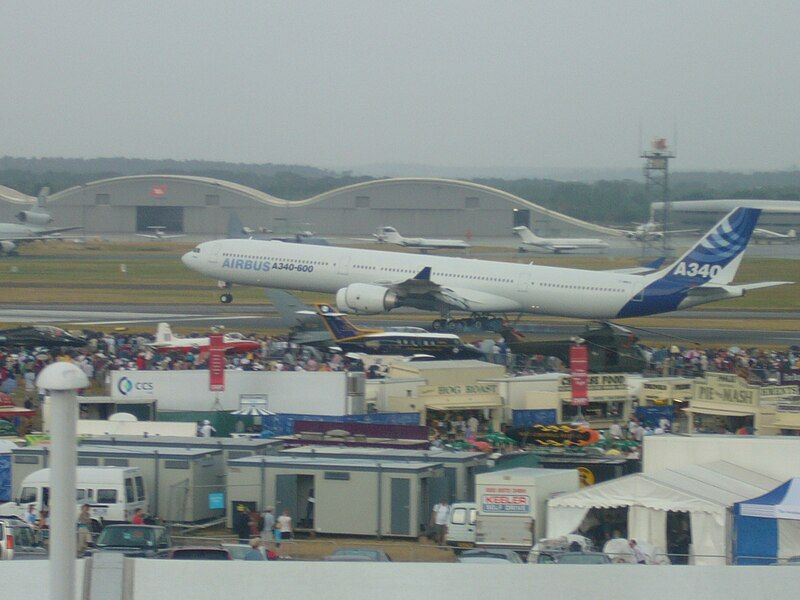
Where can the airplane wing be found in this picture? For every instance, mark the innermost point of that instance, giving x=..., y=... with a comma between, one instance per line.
x=45, y=232
x=289, y=307
x=148, y=236
x=650, y=267
x=460, y=298
x=169, y=237
x=671, y=231
x=711, y=291
x=561, y=247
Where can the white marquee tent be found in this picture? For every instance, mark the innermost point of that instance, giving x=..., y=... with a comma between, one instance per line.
x=707, y=492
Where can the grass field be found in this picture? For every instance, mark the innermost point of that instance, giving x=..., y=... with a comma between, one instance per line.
x=153, y=273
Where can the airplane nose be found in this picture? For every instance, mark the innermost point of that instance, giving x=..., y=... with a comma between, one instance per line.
x=185, y=258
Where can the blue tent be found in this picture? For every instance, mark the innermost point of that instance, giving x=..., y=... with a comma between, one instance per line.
x=5, y=477
x=768, y=527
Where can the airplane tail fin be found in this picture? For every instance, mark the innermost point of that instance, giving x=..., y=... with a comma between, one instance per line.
x=389, y=235
x=717, y=256
x=235, y=227
x=163, y=333
x=41, y=199
x=526, y=235
x=338, y=324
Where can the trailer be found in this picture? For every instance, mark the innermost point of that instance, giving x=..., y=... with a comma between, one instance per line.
x=179, y=480
x=352, y=496
x=460, y=467
x=231, y=447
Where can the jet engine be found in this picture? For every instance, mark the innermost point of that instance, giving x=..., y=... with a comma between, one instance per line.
x=7, y=247
x=365, y=298
x=34, y=218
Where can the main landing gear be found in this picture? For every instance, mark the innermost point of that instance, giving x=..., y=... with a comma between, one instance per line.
x=472, y=323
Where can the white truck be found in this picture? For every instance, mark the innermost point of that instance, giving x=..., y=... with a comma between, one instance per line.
x=511, y=506
x=112, y=493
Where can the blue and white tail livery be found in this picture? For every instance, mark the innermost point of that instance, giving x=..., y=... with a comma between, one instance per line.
x=705, y=270
x=717, y=256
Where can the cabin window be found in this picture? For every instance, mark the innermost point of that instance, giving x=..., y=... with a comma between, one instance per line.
x=102, y=199
x=27, y=495
x=139, y=488
x=106, y=496
x=129, y=490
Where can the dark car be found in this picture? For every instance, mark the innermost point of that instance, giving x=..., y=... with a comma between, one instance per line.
x=487, y=556
x=573, y=558
x=140, y=541
x=19, y=541
x=359, y=555
x=198, y=553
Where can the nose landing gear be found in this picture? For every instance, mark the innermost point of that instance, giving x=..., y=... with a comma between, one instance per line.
x=226, y=298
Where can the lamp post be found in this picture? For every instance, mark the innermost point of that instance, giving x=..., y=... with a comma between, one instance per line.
x=61, y=381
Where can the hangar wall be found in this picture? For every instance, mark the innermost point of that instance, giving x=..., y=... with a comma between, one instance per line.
x=415, y=206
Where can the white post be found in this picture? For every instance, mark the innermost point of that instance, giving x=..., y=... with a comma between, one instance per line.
x=61, y=381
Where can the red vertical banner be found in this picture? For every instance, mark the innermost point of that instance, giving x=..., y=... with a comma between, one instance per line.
x=579, y=368
x=216, y=363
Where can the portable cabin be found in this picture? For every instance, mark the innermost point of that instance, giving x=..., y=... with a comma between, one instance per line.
x=460, y=467
x=352, y=497
x=232, y=447
x=178, y=480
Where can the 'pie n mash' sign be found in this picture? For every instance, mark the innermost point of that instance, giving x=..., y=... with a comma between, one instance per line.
x=505, y=503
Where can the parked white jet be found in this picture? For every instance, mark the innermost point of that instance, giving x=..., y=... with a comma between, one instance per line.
x=556, y=245
x=14, y=234
x=372, y=281
x=158, y=233
x=651, y=231
x=768, y=236
x=390, y=235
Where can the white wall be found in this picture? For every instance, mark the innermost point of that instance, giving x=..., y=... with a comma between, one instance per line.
x=319, y=393
x=201, y=580
x=777, y=457
x=356, y=581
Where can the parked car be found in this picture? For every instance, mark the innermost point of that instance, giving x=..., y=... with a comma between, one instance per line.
x=238, y=551
x=142, y=541
x=573, y=558
x=490, y=556
x=198, y=553
x=19, y=541
x=359, y=555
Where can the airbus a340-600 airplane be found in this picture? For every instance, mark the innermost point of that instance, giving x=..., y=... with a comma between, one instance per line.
x=372, y=281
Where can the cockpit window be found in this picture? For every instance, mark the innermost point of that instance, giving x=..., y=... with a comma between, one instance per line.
x=196, y=250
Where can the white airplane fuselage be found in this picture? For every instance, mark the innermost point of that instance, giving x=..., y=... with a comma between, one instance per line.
x=496, y=286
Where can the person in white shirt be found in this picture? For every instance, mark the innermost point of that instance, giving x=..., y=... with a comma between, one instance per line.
x=638, y=555
x=615, y=431
x=439, y=516
x=663, y=423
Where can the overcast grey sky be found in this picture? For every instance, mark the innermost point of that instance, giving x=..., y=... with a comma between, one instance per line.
x=450, y=83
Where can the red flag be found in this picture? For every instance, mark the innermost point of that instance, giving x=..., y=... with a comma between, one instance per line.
x=579, y=367
x=216, y=363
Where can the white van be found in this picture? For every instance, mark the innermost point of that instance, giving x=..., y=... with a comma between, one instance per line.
x=113, y=493
x=461, y=525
